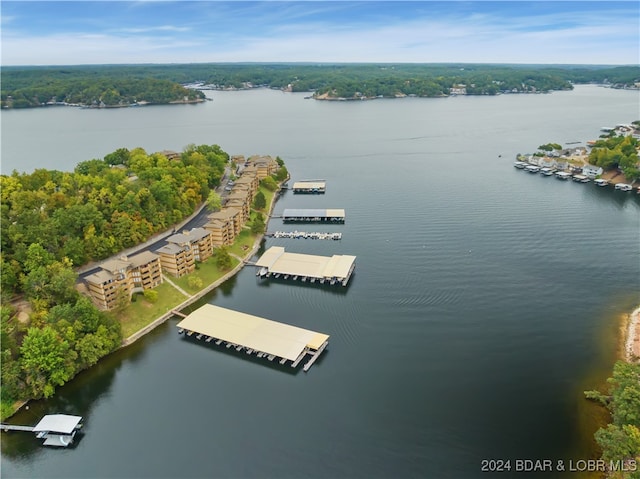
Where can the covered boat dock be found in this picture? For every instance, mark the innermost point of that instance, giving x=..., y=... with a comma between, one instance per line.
x=255, y=335
x=317, y=186
x=276, y=262
x=57, y=430
x=313, y=215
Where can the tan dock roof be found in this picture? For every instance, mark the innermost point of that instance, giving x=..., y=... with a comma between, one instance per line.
x=260, y=334
x=309, y=184
x=276, y=260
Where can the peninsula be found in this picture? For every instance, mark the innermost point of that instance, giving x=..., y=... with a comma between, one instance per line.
x=120, y=207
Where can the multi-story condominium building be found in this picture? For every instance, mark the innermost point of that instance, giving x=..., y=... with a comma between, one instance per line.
x=120, y=278
x=177, y=260
x=240, y=199
x=265, y=165
x=225, y=225
x=145, y=272
x=251, y=180
x=198, y=239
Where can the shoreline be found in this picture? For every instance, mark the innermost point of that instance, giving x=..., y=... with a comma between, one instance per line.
x=632, y=337
x=200, y=294
x=256, y=245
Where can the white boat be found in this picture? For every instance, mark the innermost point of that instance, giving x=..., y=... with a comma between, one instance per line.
x=520, y=164
x=563, y=175
x=532, y=168
x=623, y=187
x=600, y=182
x=546, y=171
x=581, y=178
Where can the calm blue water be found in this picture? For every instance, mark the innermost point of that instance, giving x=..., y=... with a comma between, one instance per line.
x=480, y=296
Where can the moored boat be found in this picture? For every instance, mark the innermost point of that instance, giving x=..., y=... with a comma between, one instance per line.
x=623, y=187
x=600, y=182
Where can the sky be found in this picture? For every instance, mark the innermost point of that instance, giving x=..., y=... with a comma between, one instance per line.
x=147, y=31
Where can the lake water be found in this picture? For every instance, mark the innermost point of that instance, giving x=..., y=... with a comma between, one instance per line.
x=479, y=305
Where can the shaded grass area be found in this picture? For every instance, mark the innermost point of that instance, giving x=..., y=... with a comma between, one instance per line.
x=142, y=312
x=206, y=272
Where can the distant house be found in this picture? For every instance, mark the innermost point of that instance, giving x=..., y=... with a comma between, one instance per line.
x=591, y=171
x=547, y=162
x=562, y=164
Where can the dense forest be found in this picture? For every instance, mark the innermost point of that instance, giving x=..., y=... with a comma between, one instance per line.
x=53, y=220
x=620, y=440
x=125, y=84
x=94, y=91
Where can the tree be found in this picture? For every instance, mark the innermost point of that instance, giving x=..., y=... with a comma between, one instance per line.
x=150, y=295
x=269, y=183
x=46, y=360
x=194, y=282
x=260, y=202
x=223, y=259
x=258, y=225
x=214, y=203
x=281, y=174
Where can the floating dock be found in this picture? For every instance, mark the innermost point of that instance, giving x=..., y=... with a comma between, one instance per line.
x=310, y=186
x=57, y=430
x=255, y=335
x=336, y=269
x=313, y=215
x=304, y=235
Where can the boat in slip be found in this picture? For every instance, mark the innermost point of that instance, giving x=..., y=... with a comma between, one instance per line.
x=520, y=165
x=581, y=178
x=623, y=187
x=600, y=182
x=532, y=168
x=546, y=171
x=563, y=175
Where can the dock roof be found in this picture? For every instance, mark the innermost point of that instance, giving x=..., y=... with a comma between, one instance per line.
x=309, y=185
x=276, y=260
x=312, y=213
x=260, y=334
x=62, y=423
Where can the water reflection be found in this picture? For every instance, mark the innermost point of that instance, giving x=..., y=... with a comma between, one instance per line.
x=334, y=289
x=243, y=356
x=78, y=397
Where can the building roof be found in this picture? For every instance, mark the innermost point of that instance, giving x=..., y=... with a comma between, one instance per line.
x=224, y=214
x=171, y=248
x=260, y=334
x=143, y=258
x=62, y=423
x=100, y=277
x=196, y=234
x=114, y=265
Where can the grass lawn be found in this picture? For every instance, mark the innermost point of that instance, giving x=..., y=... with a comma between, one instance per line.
x=268, y=195
x=208, y=272
x=141, y=313
x=243, y=243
